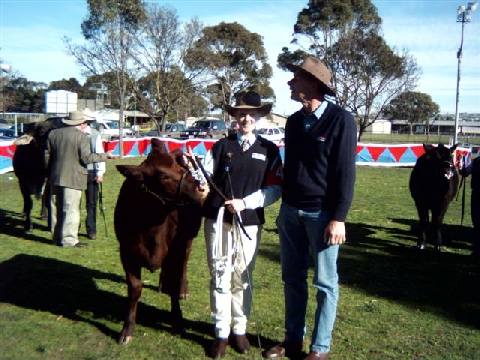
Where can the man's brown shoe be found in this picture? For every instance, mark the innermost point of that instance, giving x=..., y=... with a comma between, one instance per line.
x=291, y=349
x=313, y=355
x=218, y=348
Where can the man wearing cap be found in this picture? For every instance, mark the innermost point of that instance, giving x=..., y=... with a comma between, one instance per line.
x=319, y=176
x=247, y=169
x=67, y=155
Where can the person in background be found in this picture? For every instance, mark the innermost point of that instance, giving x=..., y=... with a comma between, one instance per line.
x=95, y=178
x=248, y=170
x=318, y=182
x=474, y=169
x=67, y=155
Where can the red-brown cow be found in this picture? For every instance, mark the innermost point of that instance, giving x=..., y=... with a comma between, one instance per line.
x=156, y=217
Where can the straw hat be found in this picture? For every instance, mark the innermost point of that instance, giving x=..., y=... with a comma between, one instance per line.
x=249, y=100
x=76, y=118
x=318, y=70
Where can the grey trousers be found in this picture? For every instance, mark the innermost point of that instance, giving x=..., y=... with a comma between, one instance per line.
x=65, y=211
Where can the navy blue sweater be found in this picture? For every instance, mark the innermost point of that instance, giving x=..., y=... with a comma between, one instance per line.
x=249, y=171
x=319, y=169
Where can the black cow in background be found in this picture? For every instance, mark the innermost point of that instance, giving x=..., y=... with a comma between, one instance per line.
x=29, y=165
x=433, y=185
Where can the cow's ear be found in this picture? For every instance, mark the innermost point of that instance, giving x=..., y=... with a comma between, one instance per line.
x=427, y=147
x=454, y=146
x=131, y=172
x=158, y=145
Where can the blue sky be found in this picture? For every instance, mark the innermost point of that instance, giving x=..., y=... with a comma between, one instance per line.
x=31, y=33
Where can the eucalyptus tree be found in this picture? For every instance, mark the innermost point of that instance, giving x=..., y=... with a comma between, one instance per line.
x=165, y=83
x=369, y=74
x=109, y=31
x=23, y=95
x=235, y=59
x=413, y=106
x=345, y=34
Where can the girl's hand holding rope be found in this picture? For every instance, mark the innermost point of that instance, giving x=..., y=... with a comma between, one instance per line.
x=235, y=205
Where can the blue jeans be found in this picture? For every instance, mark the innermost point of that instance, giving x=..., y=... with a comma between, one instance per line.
x=300, y=231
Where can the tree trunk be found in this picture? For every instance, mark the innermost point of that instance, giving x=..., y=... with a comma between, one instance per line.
x=361, y=130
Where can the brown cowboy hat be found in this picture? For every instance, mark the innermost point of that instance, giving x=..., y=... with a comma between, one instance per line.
x=76, y=118
x=318, y=70
x=249, y=100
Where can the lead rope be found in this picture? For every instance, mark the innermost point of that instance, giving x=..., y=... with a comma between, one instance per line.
x=237, y=221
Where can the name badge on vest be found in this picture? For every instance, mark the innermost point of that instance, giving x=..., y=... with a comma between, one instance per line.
x=258, y=156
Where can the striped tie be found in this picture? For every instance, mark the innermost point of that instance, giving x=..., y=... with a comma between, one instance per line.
x=245, y=145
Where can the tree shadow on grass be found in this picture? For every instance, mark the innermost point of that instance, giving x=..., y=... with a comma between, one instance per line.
x=444, y=283
x=11, y=224
x=69, y=290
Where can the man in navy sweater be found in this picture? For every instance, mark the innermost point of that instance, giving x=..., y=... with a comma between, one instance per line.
x=318, y=182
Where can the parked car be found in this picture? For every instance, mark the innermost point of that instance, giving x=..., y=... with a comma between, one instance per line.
x=273, y=134
x=171, y=130
x=205, y=128
x=110, y=130
x=7, y=130
x=8, y=133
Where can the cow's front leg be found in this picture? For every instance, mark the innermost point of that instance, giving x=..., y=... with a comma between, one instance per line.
x=437, y=221
x=178, y=325
x=134, y=283
x=27, y=208
x=423, y=224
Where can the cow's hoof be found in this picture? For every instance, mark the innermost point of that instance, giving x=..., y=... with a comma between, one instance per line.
x=124, y=339
x=421, y=246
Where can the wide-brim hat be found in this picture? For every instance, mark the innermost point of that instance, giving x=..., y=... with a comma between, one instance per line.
x=249, y=100
x=318, y=70
x=76, y=118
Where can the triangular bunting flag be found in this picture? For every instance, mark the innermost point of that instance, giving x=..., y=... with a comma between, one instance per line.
x=142, y=146
x=208, y=144
x=364, y=156
x=418, y=150
x=386, y=156
x=127, y=147
x=408, y=157
x=397, y=151
x=173, y=145
x=375, y=151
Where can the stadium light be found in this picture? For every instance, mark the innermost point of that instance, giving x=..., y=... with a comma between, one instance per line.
x=464, y=15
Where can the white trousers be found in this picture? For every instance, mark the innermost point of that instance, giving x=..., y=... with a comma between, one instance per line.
x=230, y=294
x=65, y=213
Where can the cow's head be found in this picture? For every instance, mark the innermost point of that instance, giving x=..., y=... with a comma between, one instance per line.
x=166, y=175
x=441, y=158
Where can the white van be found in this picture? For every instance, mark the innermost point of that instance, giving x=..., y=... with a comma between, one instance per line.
x=110, y=129
x=272, y=133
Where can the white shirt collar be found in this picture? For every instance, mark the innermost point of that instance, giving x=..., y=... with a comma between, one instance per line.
x=250, y=137
x=321, y=109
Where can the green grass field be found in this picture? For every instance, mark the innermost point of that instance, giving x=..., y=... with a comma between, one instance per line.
x=395, y=303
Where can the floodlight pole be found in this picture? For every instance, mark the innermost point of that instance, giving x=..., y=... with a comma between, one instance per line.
x=464, y=15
